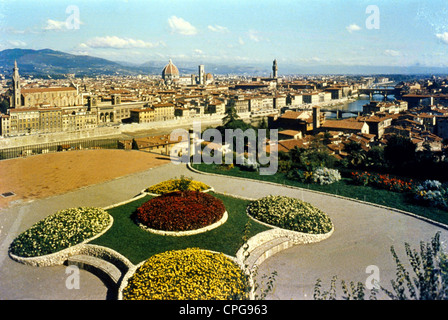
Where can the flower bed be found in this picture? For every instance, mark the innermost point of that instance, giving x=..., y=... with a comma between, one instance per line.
x=190, y=274
x=290, y=213
x=59, y=231
x=182, y=184
x=383, y=181
x=181, y=211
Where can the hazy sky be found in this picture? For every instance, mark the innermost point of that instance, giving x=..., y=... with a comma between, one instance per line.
x=299, y=32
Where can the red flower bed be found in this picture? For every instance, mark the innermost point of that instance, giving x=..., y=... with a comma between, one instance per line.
x=181, y=211
x=383, y=181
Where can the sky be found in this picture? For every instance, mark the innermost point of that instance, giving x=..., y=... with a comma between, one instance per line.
x=295, y=32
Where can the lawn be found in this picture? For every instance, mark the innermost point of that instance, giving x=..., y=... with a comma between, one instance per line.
x=137, y=245
x=344, y=187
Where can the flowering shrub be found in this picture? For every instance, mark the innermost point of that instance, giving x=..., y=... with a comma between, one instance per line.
x=383, y=181
x=190, y=274
x=290, y=213
x=181, y=211
x=249, y=165
x=326, y=176
x=432, y=193
x=182, y=184
x=321, y=175
x=300, y=175
x=59, y=231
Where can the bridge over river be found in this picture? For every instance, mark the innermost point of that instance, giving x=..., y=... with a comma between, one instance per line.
x=340, y=112
x=383, y=91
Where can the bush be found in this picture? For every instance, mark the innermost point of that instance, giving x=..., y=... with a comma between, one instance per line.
x=182, y=184
x=326, y=176
x=432, y=193
x=300, y=175
x=290, y=213
x=190, y=274
x=59, y=231
x=181, y=211
x=321, y=175
x=249, y=165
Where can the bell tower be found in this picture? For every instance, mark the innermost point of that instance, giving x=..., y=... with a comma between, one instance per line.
x=16, y=99
x=274, y=69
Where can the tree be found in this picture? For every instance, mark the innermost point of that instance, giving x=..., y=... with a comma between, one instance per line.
x=375, y=157
x=399, y=151
x=4, y=106
x=230, y=115
x=356, y=154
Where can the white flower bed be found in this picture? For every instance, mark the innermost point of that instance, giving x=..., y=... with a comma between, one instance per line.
x=59, y=257
x=290, y=213
x=60, y=231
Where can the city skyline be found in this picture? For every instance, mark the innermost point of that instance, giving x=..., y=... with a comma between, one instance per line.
x=300, y=33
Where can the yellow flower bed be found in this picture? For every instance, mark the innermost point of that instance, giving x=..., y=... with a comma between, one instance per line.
x=189, y=274
x=182, y=184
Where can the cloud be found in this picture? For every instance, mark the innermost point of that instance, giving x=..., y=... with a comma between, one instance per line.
x=198, y=51
x=17, y=43
x=217, y=28
x=179, y=25
x=392, y=53
x=240, y=41
x=255, y=36
x=54, y=25
x=117, y=43
x=353, y=27
x=443, y=37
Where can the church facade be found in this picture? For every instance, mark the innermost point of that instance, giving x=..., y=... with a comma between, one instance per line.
x=42, y=97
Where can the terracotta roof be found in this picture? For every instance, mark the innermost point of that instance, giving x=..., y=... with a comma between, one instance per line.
x=296, y=115
x=158, y=105
x=343, y=124
x=23, y=110
x=289, y=132
x=286, y=145
x=35, y=90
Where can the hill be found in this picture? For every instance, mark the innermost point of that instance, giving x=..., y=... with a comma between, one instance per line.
x=51, y=62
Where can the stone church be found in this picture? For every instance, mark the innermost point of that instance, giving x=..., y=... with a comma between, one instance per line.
x=42, y=97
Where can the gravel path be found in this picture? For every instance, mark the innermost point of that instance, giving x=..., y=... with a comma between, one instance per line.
x=362, y=237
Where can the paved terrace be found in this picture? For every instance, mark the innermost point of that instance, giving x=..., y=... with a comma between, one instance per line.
x=362, y=237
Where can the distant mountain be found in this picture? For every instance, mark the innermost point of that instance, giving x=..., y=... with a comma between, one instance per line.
x=57, y=64
x=51, y=62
